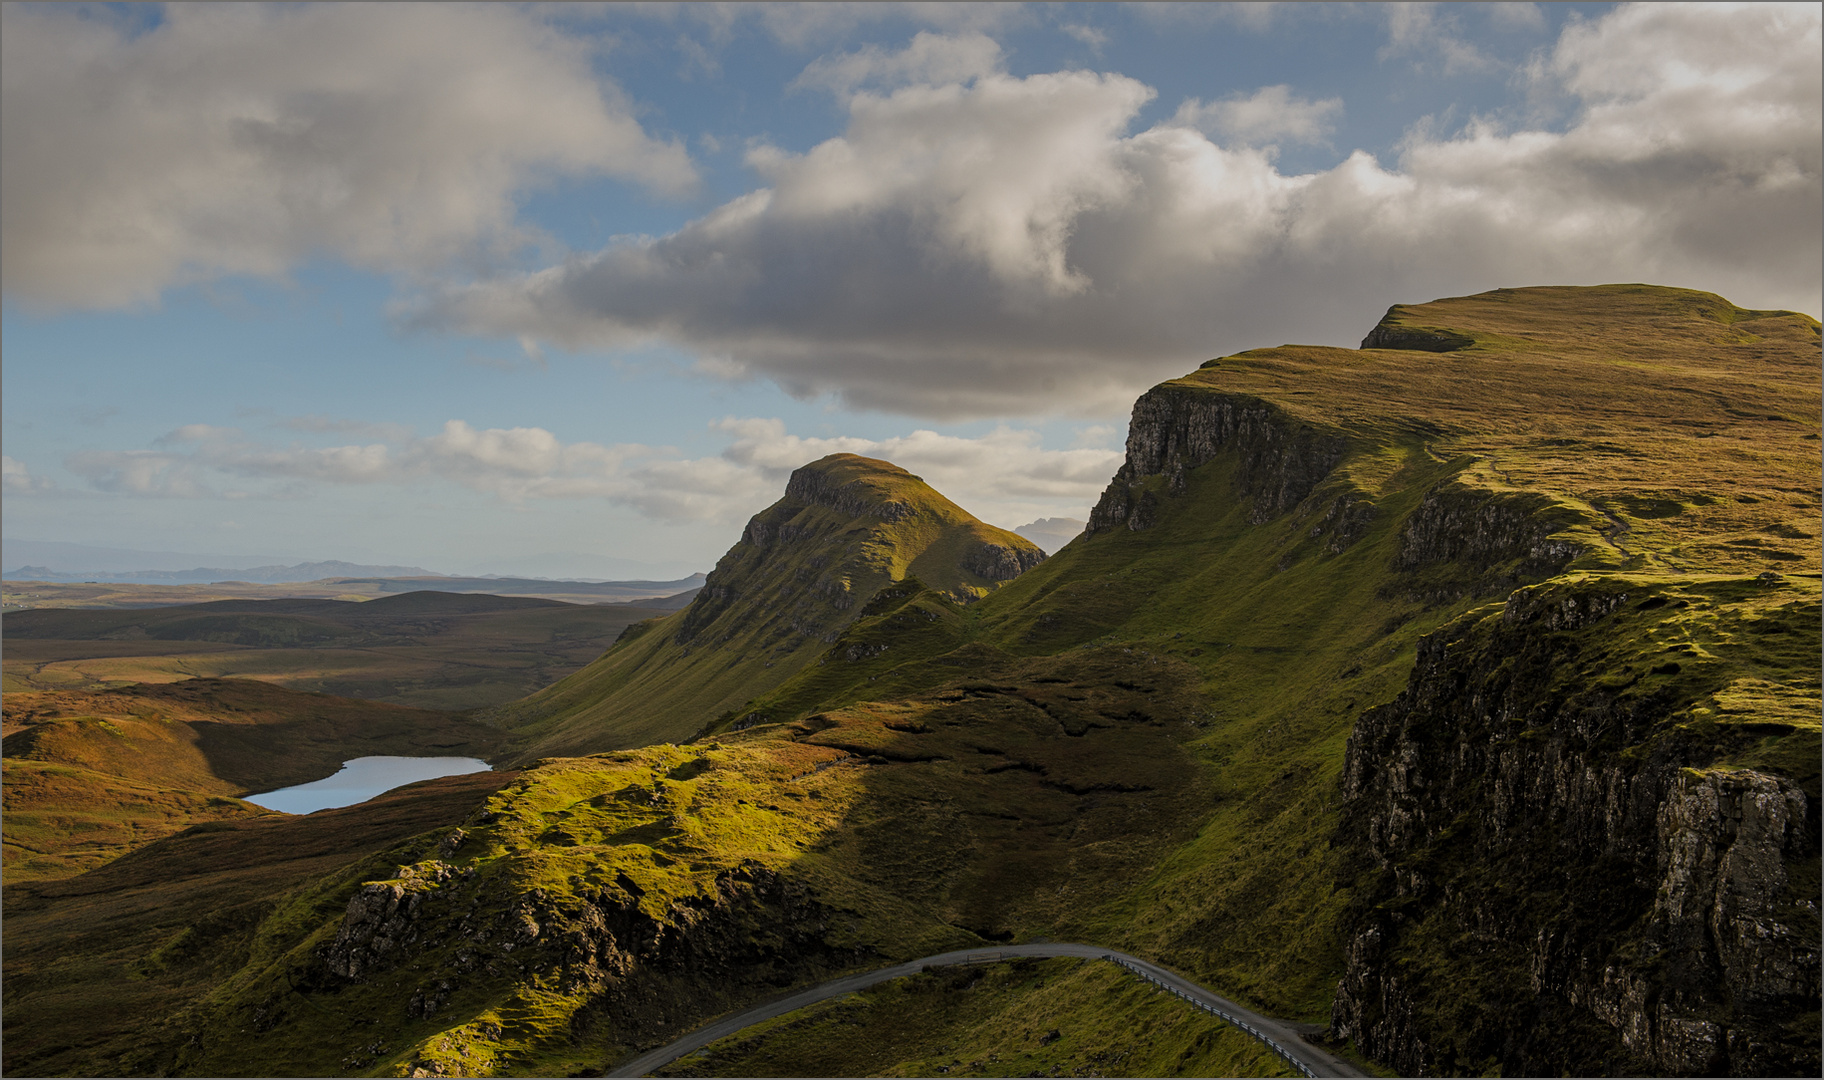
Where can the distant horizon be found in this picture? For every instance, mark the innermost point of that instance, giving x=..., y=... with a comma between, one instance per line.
x=178, y=561
x=64, y=557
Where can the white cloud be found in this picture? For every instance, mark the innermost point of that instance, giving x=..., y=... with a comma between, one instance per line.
x=1255, y=15
x=1010, y=245
x=1426, y=32
x=16, y=479
x=1515, y=16
x=245, y=138
x=1271, y=114
x=930, y=58
x=1005, y=465
x=801, y=25
x=1088, y=35
x=138, y=472
x=1006, y=473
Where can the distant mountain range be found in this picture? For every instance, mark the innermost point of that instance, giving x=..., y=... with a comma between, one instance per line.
x=64, y=563
x=204, y=575
x=1051, y=534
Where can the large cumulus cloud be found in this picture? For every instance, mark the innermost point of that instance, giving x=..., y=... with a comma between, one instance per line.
x=245, y=138
x=999, y=244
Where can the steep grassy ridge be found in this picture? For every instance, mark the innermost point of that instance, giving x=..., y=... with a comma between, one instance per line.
x=804, y=567
x=1293, y=521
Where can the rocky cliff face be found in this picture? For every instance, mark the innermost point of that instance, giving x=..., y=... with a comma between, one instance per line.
x=617, y=962
x=833, y=539
x=1563, y=874
x=1176, y=428
x=848, y=496
x=1001, y=562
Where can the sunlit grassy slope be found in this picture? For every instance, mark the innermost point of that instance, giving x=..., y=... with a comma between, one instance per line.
x=847, y=527
x=1138, y=742
x=101, y=968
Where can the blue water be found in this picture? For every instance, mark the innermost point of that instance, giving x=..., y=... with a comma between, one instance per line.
x=363, y=778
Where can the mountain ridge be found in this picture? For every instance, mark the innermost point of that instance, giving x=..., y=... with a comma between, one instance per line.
x=845, y=527
x=1329, y=711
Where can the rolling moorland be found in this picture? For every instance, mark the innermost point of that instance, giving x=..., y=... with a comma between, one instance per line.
x=1458, y=693
x=426, y=649
x=121, y=723
x=21, y=594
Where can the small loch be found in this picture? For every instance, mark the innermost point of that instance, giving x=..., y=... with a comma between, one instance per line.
x=360, y=779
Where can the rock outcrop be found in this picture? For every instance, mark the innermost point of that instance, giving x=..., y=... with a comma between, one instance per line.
x=803, y=570
x=832, y=540
x=1561, y=877
x=1392, y=333
x=1001, y=562
x=849, y=496
x=753, y=927
x=1177, y=428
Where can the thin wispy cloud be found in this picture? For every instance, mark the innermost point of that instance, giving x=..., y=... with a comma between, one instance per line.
x=1270, y=115
x=929, y=59
x=17, y=479
x=1006, y=472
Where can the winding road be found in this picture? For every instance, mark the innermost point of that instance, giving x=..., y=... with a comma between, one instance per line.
x=1282, y=1037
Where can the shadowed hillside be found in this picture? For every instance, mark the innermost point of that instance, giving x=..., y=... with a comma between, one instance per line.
x=803, y=569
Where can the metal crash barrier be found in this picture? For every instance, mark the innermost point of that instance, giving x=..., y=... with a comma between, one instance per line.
x=1214, y=1011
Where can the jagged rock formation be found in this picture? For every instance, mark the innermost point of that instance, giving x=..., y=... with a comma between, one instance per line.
x=599, y=945
x=1567, y=879
x=846, y=527
x=1175, y=428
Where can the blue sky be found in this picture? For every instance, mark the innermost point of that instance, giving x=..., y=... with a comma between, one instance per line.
x=571, y=289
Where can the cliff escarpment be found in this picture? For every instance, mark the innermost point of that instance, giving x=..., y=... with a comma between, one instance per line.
x=1593, y=836
x=1176, y=428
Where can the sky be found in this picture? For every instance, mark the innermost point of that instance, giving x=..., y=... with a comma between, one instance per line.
x=570, y=289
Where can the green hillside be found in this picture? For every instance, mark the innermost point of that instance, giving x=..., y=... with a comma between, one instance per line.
x=1459, y=692
x=802, y=571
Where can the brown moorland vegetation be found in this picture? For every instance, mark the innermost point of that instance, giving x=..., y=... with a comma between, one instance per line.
x=429, y=649
x=93, y=775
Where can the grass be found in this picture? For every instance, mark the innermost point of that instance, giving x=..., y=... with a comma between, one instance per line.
x=1137, y=743
x=431, y=650
x=1060, y=1017
x=92, y=775
x=29, y=595
x=802, y=572
x=100, y=967
x=62, y=820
